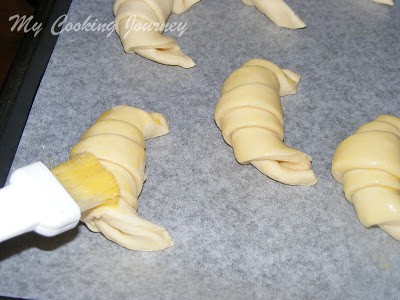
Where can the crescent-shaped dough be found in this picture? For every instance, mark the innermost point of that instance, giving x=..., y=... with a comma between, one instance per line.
x=139, y=24
x=117, y=139
x=367, y=163
x=278, y=12
x=249, y=114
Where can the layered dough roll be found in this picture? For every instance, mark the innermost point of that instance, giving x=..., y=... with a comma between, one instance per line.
x=368, y=165
x=249, y=114
x=139, y=24
x=278, y=12
x=117, y=139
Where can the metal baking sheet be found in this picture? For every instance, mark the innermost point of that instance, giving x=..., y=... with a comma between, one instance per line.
x=237, y=233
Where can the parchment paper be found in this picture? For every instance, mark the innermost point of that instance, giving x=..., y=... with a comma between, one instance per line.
x=237, y=233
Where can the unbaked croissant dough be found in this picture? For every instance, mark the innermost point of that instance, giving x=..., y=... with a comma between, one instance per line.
x=368, y=165
x=148, y=40
x=278, y=12
x=117, y=139
x=250, y=116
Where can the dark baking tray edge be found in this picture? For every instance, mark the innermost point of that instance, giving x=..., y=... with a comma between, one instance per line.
x=19, y=89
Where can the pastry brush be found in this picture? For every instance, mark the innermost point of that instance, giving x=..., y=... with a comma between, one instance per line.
x=50, y=202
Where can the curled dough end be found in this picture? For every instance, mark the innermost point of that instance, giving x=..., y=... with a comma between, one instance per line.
x=181, y=6
x=150, y=124
x=278, y=12
x=249, y=114
x=281, y=173
x=392, y=230
x=167, y=57
x=367, y=163
x=140, y=25
x=288, y=80
x=388, y=2
x=124, y=227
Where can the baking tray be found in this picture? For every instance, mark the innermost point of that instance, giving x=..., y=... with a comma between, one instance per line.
x=237, y=233
x=21, y=84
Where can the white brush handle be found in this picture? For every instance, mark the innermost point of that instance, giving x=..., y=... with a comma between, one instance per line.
x=17, y=215
x=35, y=200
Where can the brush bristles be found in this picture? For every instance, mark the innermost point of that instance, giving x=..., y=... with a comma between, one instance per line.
x=87, y=181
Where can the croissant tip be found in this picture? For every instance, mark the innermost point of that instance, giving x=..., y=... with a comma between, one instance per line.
x=294, y=26
x=388, y=2
x=304, y=183
x=188, y=64
x=165, y=243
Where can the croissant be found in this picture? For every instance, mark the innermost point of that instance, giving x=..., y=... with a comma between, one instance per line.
x=249, y=114
x=117, y=139
x=278, y=12
x=139, y=24
x=367, y=163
